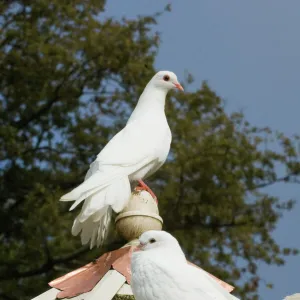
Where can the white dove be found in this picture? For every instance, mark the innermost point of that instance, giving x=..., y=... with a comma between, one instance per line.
x=133, y=154
x=160, y=271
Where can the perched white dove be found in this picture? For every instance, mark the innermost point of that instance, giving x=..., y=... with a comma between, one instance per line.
x=133, y=154
x=160, y=271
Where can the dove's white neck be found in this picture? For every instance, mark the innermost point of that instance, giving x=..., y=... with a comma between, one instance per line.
x=152, y=100
x=171, y=254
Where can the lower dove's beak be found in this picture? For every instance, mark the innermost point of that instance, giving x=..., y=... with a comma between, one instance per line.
x=178, y=86
x=140, y=247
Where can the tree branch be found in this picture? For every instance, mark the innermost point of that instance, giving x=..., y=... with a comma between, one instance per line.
x=286, y=178
x=46, y=148
x=24, y=122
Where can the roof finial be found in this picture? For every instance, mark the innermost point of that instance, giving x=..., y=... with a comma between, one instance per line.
x=140, y=214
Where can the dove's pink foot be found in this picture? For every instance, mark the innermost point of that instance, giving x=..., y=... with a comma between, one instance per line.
x=144, y=187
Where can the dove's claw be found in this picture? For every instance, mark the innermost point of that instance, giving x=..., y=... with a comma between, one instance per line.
x=144, y=187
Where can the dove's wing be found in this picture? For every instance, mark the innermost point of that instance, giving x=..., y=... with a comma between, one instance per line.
x=135, y=144
x=134, y=147
x=193, y=284
x=199, y=280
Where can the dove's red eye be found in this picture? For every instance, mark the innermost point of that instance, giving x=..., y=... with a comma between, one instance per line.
x=166, y=78
x=151, y=241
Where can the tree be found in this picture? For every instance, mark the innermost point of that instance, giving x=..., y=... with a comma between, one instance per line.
x=69, y=79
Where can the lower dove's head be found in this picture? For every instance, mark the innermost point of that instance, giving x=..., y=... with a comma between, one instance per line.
x=165, y=80
x=156, y=239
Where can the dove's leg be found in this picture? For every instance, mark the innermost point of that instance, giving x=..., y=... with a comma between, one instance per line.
x=144, y=187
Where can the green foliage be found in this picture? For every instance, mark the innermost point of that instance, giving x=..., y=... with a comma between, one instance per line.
x=69, y=79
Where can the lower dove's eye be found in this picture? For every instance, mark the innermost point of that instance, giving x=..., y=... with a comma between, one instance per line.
x=151, y=241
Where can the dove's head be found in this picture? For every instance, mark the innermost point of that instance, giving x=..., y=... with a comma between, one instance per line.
x=165, y=80
x=159, y=244
x=153, y=239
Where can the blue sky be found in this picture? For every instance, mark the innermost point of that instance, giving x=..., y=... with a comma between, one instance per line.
x=249, y=52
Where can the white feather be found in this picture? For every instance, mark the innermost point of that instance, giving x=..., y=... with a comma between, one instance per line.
x=95, y=228
x=96, y=181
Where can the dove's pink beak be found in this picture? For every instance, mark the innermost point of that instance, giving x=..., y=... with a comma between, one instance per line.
x=140, y=247
x=178, y=86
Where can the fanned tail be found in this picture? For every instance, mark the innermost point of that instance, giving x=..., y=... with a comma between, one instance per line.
x=95, y=228
x=95, y=216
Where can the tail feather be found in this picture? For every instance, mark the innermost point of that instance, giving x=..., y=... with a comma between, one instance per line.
x=95, y=228
x=103, y=230
x=94, y=238
x=85, y=195
x=93, y=204
x=94, y=218
x=87, y=231
x=76, y=228
x=90, y=184
x=118, y=193
x=95, y=182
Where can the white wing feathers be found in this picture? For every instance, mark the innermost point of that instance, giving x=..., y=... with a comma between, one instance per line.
x=194, y=284
x=118, y=159
x=131, y=146
x=90, y=186
x=199, y=280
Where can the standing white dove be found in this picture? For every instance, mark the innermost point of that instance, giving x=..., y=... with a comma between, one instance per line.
x=133, y=154
x=160, y=271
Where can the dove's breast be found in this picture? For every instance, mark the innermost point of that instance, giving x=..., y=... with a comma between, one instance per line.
x=159, y=141
x=148, y=282
x=155, y=277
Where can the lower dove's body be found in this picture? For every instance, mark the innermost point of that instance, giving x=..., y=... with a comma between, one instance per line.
x=162, y=273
